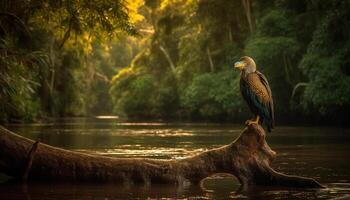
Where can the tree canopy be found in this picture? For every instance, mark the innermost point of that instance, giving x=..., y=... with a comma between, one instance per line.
x=172, y=59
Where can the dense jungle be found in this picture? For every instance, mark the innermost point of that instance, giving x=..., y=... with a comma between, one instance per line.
x=172, y=59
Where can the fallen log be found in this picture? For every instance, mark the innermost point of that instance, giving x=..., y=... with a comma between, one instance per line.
x=247, y=158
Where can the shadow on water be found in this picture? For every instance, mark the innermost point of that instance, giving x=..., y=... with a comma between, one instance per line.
x=213, y=187
x=318, y=152
x=222, y=187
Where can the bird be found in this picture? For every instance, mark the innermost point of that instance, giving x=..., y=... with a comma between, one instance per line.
x=256, y=92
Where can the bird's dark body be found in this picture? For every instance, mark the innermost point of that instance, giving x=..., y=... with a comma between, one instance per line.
x=256, y=92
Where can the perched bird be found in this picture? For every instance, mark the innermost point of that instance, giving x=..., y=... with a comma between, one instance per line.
x=256, y=92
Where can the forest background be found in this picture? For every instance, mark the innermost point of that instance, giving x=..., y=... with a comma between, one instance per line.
x=172, y=59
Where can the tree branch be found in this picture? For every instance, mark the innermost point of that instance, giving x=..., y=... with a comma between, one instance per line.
x=298, y=85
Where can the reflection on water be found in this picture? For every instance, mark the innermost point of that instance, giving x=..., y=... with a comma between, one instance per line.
x=148, y=152
x=321, y=153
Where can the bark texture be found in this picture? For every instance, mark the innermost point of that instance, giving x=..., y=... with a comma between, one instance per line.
x=248, y=158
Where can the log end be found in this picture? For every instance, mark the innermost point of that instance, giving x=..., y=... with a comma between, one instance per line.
x=254, y=159
x=294, y=181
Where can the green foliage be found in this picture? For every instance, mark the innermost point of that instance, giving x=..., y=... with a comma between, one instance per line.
x=137, y=94
x=326, y=65
x=275, y=24
x=56, y=59
x=137, y=101
x=214, y=96
x=45, y=71
x=204, y=38
x=18, y=98
x=166, y=101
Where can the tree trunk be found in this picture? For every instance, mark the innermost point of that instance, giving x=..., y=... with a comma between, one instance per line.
x=230, y=33
x=248, y=158
x=247, y=10
x=168, y=58
x=211, y=64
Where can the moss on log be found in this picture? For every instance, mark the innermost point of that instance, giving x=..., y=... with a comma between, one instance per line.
x=248, y=158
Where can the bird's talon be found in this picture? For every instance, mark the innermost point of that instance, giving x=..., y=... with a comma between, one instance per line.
x=250, y=122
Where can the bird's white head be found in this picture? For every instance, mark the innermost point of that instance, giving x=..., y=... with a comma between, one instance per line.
x=246, y=64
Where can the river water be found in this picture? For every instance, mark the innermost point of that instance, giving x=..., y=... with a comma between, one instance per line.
x=318, y=152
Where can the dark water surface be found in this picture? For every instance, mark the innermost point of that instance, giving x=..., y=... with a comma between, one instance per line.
x=318, y=152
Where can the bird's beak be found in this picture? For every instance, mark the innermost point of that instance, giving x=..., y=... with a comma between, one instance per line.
x=239, y=65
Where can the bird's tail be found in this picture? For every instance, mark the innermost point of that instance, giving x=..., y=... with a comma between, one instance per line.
x=269, y=125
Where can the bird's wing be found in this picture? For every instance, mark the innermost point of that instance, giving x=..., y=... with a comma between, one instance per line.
x=247, y=94
x=267, y=86
x=256, y=95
